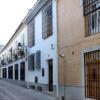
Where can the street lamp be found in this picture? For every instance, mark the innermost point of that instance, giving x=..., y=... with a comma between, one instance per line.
x=19, y=46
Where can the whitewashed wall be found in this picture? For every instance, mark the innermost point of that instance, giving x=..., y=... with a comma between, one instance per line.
x=22, y=30
x=46, y=51
x=17, y=37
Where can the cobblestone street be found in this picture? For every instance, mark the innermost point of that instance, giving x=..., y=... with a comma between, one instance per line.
x=10, y=91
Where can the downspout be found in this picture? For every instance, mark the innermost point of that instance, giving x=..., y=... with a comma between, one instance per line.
x=58, y=55
x=57, y=48
x=27, y=53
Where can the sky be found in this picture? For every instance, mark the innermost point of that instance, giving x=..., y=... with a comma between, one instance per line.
x=12, y=12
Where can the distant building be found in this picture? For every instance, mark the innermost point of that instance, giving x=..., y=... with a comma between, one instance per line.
x=13, y=62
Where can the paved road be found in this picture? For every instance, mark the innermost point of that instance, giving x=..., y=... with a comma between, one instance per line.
x=10, y=91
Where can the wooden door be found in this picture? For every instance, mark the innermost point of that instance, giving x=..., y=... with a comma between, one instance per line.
x=50, y=74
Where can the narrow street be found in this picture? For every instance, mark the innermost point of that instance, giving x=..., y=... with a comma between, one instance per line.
x=10, y=91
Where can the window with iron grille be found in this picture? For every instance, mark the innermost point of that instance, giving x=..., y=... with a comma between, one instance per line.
x=10, y=72
x=47, y=21
x=31, y=33
x=4, y=73
x=92, y=17
x=16, y=71
x=22, y=71
x=92, y=74
x=38, y=60
x=31, y=62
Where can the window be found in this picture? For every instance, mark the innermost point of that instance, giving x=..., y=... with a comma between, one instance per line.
x=92, y=17
x=36, y=79
x=92, y=74
x=47, y=21
x=38, y=60
x=16, y=71
x=43, y=72
x=10, y=72
x=31, y=33
x=31, y=62
x=94, y=21
x=22, y=71
x=4, y=73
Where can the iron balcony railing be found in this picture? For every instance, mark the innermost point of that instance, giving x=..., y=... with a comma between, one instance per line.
x=14, y=56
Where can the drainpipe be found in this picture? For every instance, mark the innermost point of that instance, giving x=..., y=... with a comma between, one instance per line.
x=59, y=55
x=26, y=58
x=57, y=47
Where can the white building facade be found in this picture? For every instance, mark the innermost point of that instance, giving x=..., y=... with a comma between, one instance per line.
x=42, y=46
x=30, y=56
x=13, y=59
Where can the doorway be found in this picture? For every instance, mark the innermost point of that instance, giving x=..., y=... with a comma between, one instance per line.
x=50, y=74
x=16, y=72
x=22, y=71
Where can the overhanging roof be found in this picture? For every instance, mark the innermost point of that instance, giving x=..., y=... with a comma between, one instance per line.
x=39, y=5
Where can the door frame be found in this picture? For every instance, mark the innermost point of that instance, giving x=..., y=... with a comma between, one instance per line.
x=50, y=84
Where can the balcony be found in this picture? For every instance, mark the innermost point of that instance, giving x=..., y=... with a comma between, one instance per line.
x=9, y=59
x=21, y=53
x=3, y=62
x=21, y=49
x=14, y=55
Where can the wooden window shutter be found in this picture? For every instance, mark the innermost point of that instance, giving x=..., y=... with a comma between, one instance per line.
x=47, y=21
x=31, y=62
x=44, y=25
x=31, y=33
x=38, y=60
x=99, y=20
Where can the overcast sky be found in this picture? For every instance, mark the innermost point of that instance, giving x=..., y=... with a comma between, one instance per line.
x=11, y=14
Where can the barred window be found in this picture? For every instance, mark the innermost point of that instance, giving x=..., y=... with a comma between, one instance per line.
x=92, y=75
x=47, y=21
x=16, y=72
x=94, y=20
x=31, y=62
x=22, y=71
x=10, y=72
x=31, y=33
x=4, y=73
x=92, y=17
x=38, y=60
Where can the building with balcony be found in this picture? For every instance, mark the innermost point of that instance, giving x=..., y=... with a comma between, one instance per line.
x=13, y=57
x=30, y=56
x=56, y=50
